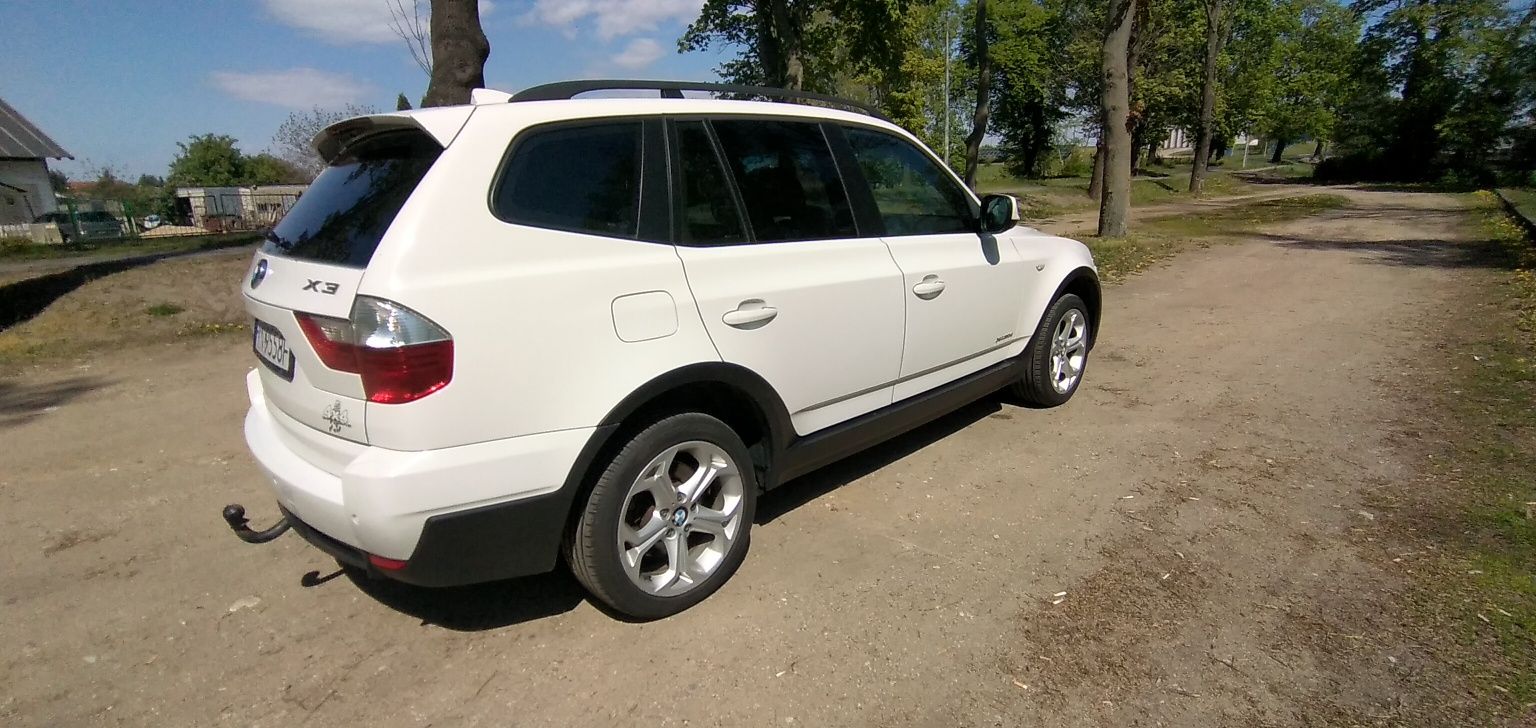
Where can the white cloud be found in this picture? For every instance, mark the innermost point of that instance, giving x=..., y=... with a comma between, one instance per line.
x=640, y=52
x=294, y=88
x=613, y=18
x=348, y=21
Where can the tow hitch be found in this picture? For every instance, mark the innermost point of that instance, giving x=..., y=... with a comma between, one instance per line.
x=234, y=515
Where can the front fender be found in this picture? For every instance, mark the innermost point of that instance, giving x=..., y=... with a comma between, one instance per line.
x=1068, y=265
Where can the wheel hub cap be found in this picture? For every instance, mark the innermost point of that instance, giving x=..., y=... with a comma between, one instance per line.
x=1069, y=351
x=681, y=518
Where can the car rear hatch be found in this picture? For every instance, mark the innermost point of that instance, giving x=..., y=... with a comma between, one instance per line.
x=302, y=288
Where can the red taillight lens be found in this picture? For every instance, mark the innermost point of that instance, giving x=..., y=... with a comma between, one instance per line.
x=332, y=341
x=406, y=373
x=401, y=355
x=387, y=564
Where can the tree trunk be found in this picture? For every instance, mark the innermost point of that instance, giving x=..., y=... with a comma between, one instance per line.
x=1220, y=145
x=459, y=50
x=1279, y=150
x=1096, y=179
x=1202, y=159
x=787, y=30
x=1115, y=207
x=1317, y=153
x=983, y=97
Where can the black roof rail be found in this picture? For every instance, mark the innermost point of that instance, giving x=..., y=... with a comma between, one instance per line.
x=564, y=90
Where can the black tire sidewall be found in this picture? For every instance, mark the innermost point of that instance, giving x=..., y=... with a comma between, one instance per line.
x=596, y=539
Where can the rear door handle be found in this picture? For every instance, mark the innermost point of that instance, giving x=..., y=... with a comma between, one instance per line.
x=750, y=314
x=929, y=288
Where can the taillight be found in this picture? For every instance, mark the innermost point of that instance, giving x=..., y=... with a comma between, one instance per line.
x=401, y=355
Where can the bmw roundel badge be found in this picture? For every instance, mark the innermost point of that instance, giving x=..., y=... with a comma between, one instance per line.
x=260, y=274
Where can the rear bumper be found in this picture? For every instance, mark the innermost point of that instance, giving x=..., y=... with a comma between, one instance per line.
x=457, y=515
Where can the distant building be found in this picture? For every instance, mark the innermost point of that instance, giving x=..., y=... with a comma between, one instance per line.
x=25, y=190
x=235, y=208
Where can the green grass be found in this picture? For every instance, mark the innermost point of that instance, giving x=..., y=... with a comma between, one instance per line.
x=1155, y=240
x=20, y=250
x=1524, y=200
x=164, y=309
x=1492, y=465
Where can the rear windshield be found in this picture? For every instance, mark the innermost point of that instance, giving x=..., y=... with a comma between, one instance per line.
x=346, y=210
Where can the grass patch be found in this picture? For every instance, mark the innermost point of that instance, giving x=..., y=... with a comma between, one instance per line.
x=1524, y=200
x=1492, y=466
x=164, y=309
x=1155, y=240
x=16, y=249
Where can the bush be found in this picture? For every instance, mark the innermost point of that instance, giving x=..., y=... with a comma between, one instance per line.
x=12, y=245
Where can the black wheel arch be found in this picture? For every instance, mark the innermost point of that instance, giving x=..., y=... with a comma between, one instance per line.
x=1084, y=283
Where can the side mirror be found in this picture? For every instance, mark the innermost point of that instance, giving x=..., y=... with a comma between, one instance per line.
x=999, y=213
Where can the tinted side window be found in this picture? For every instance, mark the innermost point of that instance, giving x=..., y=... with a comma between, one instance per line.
x=914, y=195
x=578, y=178
x=344, y=213
x=787, y=179
x=709, y=213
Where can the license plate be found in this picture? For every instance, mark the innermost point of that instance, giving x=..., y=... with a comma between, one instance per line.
x=272, y=349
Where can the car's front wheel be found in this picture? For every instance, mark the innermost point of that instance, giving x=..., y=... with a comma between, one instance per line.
x=1058, y=355
x=668, y=521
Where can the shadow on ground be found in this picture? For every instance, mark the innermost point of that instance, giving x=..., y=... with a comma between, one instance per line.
x=504, y=603
x=1413, y=253
x=22, y=403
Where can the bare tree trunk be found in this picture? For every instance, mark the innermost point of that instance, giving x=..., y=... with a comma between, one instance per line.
x=459, y=50
x=1096, y=180
x=1115, y=207
x=1202, y=160
x=1322, y=144
x=983, y=97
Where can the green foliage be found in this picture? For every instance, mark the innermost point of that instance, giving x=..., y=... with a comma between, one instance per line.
x=215, y=160
x=58, y=181
x=402, y=103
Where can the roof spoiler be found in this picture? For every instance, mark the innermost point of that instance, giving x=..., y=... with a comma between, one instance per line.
x=441, y=123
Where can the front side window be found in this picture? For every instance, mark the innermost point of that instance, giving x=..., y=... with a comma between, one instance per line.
x=583, y=179
x=914, y=195
x=787, y=178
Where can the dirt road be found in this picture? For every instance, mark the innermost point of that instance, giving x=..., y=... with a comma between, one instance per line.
x=1184, y=544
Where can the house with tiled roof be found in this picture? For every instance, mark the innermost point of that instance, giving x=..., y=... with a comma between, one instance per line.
x=25, y=190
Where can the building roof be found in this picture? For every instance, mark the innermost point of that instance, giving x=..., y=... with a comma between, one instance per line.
x=19, y=138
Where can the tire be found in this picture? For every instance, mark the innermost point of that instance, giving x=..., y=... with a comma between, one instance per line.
x=626, y=543
x=1057, y=356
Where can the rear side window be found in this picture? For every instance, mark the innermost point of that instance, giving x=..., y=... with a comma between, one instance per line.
x=914, y=196
x=583, y=179
x=709, y=214
x=787, y=178
x=344, y=213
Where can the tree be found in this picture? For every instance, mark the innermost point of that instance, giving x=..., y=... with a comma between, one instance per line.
x=983, y=95
x=402, y=103
x=58, y=181
x=267, y=169
x=294, y=137
x=1114, y=209
x=1213, y=42
x=413, y=29
x=1029, y=41
x=459, y=50
x=208, y=160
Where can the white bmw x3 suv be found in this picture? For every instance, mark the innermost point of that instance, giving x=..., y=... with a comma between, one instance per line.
x=495, y=335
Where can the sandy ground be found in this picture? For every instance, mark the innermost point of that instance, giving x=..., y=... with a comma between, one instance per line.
x=1181, y=545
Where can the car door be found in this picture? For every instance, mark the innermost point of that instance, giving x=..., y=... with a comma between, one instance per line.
x=786, y=284
x=962, y=289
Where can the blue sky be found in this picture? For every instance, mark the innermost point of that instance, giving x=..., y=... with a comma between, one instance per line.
x=119, y=83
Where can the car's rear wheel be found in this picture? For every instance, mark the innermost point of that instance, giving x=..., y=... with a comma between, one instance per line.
x=1058, y=355
x=668, y=521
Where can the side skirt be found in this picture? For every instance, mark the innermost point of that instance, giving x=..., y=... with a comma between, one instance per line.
x=834, y=443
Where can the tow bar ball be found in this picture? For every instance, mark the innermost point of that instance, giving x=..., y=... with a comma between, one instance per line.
x=234, y=515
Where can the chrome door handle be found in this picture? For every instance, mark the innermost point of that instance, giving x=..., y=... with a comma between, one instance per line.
x=750, y=314
x=929, y=288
